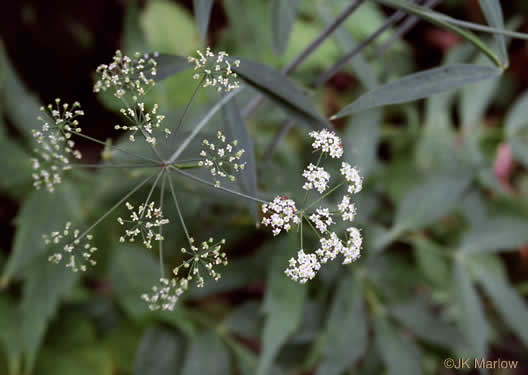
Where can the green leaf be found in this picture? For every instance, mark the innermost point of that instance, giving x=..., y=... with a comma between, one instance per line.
x=281, y=90
x=22, y=106
x=46, y=284
x=283, y=305
x=430, y=201
x=516, y=125
x=40, y=214
x=346, y=337
x=399, y=353
x=169, y=65
x=496, y=234
x=129, y=261
x=475, y=99
x=283, y=18
x=419, y=318
x=471, y=319
x=507, y=301
x=361, y=138
x=420, y=85
x=202, y=13
x=207, y=355
x=359, y=65
x=160, y=353
x=493, y=12
x=164, y=23
x=9, y=333
x=236, y=130
x=444, y=22
x=432, y=260
x=16, y=166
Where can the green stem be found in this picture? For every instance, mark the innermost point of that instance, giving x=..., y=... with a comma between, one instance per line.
x=180, y=216
x=198, y=179
x=202, y=123
x=188, y=106
x=186, y=166
x=114, y=207
x=311, y=226
x=324, y=196
x=162, y=194
x=113, y=166
x=432, y=17
x=157, y=162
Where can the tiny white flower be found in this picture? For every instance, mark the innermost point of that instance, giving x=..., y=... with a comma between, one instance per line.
x=328, y=142
x=316, y=178
x=283, y=214
x=352, y=177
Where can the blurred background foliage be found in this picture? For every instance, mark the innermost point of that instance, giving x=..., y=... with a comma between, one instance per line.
x=444, y=210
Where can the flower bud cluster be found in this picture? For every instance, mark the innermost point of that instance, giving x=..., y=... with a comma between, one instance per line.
x=165, y=296
x=77, y=249
x=142, y=222
x=54, y=143
x=221, y=158
x=148, y=123
x=206, y=256
x=215, y=70
x=127, y=75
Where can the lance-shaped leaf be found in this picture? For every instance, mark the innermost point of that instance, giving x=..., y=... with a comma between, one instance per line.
x=399, y=352
x=202, y=13
x=493, y=12
x=281, y=90
x=507, y=301
x=283, y=19
x=283, y=305
x=207, y=355
x=420, y=85
x=236, y=129
x=435, y=198
x=471, y=319
x=516, y=125
x=169, y=65
x=160, y=353
x=346, y=337
x=496, y=234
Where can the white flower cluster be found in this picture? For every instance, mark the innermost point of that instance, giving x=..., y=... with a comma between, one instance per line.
x=77, y=250
x=55, y=145
x=144, y=121
x=215, y=70
x=328, y=142
x=283, y=214
x=165, y=295
x=132, y=75
x=351, y=174
x=208, y=255
x=221, y=158
x=305, y=266
x=316, y=178
x=142, y=223
x=322, y=219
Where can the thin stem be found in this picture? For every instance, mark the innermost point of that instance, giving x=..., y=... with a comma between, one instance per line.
x=186, y=166
x=100, y=165
x=324, y=195
x=147, y=201
x=311, y=225
x=180, y=216
x=117, y=148
x=202, y=123
x=302, y=235
x=114, y=207
x=162, y=194
x=307, y=51
x=323, y=78
x=188, y=106
x=408, y=24
x=198, y=179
